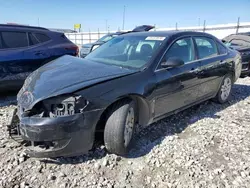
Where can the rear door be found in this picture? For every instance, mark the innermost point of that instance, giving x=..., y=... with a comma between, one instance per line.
x=177, y=87
x=213, y=66
x=12, y=71
x=38, y=53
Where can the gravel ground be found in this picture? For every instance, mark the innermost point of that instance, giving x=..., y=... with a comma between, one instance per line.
x=205, y=146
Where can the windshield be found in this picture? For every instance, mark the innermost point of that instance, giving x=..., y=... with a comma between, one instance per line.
x=127, y=51
x=106, y=38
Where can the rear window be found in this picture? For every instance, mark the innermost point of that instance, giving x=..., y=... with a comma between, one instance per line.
x=33, y=40
x=1, y=46
x=222, y=49
x=14, y=39
x=41, y=37
x=206, y=47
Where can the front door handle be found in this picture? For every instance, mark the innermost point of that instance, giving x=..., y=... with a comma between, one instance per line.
x=194, y=71
x=222, y=62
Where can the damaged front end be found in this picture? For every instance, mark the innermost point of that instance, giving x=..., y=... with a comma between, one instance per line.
x=58, y=126
x=53, y=107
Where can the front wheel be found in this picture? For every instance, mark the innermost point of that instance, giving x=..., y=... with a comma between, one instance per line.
x=119, y=128
x=225, y=90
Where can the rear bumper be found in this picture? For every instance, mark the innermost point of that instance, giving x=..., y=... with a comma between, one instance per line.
x=61, y=136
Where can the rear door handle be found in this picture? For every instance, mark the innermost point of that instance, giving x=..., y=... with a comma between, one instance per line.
x=194, y=71
x=39, y=53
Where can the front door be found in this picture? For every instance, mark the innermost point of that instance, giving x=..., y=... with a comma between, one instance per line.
x=177, y=87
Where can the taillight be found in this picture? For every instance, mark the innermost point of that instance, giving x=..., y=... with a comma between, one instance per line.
x=73, y=48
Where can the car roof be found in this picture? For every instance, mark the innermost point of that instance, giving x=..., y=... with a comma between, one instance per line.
x=168, y=33
x=116, y=33
x=237, y=37
x=22, y=27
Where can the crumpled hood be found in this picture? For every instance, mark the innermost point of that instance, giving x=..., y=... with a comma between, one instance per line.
x=66, y=75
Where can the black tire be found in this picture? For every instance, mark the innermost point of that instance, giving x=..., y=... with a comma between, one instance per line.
x=219, y=97
x=115, y=127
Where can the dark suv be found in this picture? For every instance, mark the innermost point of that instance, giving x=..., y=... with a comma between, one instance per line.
x=23, y=49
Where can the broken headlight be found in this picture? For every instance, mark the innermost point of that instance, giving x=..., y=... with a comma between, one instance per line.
x=64, y=106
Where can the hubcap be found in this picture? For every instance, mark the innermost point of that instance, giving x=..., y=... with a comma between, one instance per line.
x=128, y=131
x=225, y=89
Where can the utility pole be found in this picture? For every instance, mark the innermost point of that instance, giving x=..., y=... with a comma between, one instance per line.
x=106, y=25
x=238, y=25
x=204, y=26
x=38, y=22
x=199, y=22
x=124, y=8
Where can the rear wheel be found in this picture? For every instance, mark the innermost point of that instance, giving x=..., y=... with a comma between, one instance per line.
x=225, y=89
x=119, y=128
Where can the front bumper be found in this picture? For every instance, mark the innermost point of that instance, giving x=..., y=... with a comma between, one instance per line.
x=245, y=71
x=60, y=136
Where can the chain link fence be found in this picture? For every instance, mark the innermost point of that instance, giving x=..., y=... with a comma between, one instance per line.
x=220, y=31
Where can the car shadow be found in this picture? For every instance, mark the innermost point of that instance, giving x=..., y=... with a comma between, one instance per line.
x=155, y=133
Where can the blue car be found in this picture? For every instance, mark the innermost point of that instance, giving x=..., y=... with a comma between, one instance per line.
x=23, y=49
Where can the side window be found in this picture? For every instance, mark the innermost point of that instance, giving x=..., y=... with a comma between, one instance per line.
x=41, y=37
x=182, y=49
x=14, y=39
x=32, y=40
x=206, y=47
x=1, y=44
x=222, y=49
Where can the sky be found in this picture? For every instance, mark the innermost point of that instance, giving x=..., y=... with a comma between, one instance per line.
x=94, y=14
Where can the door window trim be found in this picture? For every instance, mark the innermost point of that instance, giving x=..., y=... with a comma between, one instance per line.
x=39, y=43
x=157, y=69
x=217, y=44
x=34, y=34
x=197, y=47
x=1, y=43
x=30, y=33
x=17, y=48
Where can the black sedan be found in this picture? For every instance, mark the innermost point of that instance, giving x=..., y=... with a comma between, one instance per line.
x=241, y=43
x=133, y=80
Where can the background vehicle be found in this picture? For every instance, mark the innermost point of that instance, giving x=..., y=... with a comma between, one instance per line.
x=241, y=43
x=132, y=80
x=23, y=49
x=87, y=48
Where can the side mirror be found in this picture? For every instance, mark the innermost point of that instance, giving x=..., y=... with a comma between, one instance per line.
x=172, y=62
